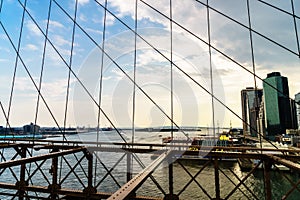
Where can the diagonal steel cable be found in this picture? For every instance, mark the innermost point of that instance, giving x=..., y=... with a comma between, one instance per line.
x=100, y=84
x=66, y=64
x=197, y=83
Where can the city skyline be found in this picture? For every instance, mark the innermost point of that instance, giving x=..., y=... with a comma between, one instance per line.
x=269, y=111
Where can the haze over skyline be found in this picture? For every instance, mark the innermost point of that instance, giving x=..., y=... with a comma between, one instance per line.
x=192, y=103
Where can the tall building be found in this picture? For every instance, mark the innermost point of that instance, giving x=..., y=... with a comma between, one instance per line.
x=278, y=115
x=294, y=114
x=297, y=101
x=251, y=99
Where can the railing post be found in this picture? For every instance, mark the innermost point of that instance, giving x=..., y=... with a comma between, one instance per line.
x=129, y=174
x=171, y=195
x=22, y=183
x=217, y=180
x=267, y=179
x=90, y=189
x=171, y=180
x=54, y=172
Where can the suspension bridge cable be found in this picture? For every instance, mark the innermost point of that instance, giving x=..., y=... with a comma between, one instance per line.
x=16, y=64
x=253, y=66
x=29, y=75
x=101, y=70
x=66, y=64
x=231, y=59
x=279, y=9
x=185, y=73
x=165, y=57
x=43, y=63
x=211, y=70
x=73, y=73
x=118, y=66
x=68, y=87
x=5, y=116
x=254, y=79
x=216, y=49
x=222, y=53
x=70, y=64
x=1, y=3
x=171, y=70
x=100, y=83
x=253, y=31
x=124, y=72
x=14, y=72
x=40, y=80
x=134, y=71
x=7, y=122
x=295, y=26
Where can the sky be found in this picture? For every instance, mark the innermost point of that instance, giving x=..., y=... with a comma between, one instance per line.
x=184, y=87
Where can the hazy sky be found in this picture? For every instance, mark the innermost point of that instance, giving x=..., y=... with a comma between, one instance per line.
x=192, y=103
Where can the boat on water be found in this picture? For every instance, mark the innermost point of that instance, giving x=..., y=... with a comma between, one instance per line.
x=106, y=129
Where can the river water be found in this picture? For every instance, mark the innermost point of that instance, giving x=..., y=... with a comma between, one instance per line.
x=280, y=185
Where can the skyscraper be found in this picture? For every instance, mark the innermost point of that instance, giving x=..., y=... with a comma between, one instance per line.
x=251, y=99
x=278, y=113
x=297, y=100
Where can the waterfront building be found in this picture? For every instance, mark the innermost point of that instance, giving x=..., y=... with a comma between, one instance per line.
x=278, y=114
x=31, y=129
x=251, y=99
x=297, y=101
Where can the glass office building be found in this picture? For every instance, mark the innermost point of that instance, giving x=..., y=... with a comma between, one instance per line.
x=251, y=99
x=278, y=114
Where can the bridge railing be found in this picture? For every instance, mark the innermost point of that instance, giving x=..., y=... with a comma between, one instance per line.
x=50, y=170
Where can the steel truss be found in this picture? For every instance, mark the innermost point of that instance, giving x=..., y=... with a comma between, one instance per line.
x=24, y=167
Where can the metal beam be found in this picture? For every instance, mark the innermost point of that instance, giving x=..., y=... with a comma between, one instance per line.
x=285, y=162
x=12, y=163
x=134, y=183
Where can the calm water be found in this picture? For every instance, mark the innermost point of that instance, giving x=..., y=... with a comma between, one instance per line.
x=280, y=185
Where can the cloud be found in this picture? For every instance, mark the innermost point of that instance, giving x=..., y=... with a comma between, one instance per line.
x=55, y=24
x=33, y=29
x=3, y=60
x=82, y=17
x=94, y=31
x=83, y=2
x=60, y=41
x=32, y=47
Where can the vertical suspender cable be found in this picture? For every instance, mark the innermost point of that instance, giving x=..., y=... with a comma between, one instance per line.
x=69, y=69
x=253, y=69
x=16, y=65
x=7, y=122
x=134, y=82
x=1, y=3
x=134, y=71
x=43, y=63
x=100, y=85
x=295, y=26
x=211, y=71
x=41, y=76
x=68, y=84
x=171, y=72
